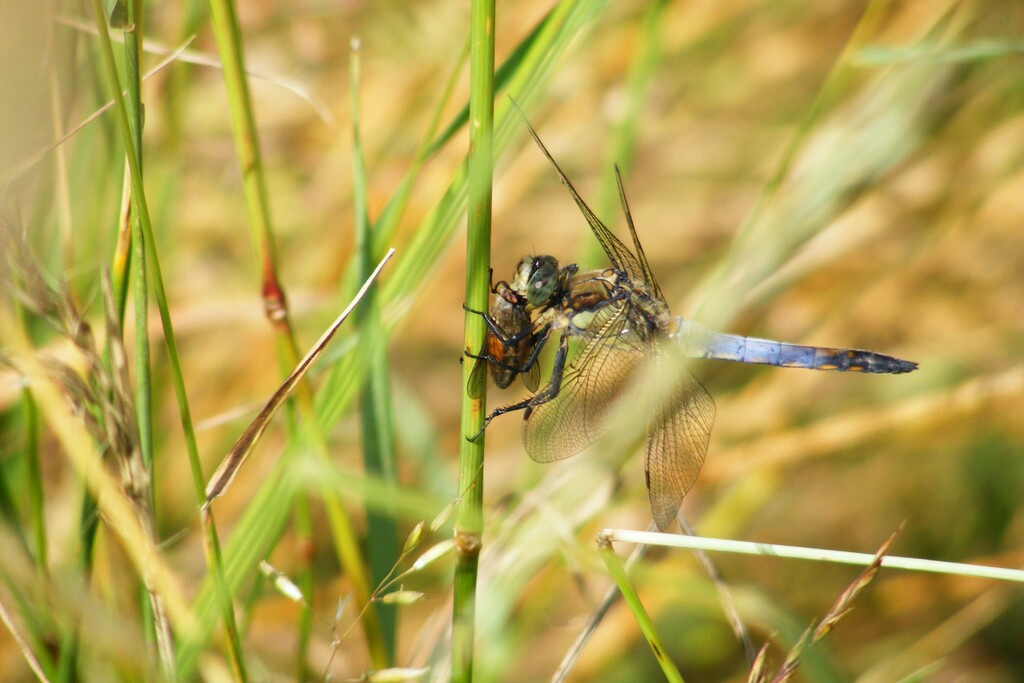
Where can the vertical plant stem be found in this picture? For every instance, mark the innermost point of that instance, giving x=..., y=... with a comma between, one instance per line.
x=143, y=498
x=247, y=147
x=148, y=245
x=469, y=524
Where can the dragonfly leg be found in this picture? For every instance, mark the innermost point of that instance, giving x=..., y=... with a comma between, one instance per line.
x=548, y=393
x=554, y=385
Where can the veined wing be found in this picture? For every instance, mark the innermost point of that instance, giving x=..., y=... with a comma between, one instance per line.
x=677, y=441
x=574, y=419
x=641, y=257
x=622, y=259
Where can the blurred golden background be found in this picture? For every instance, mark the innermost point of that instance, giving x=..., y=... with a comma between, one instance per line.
x=829, y=173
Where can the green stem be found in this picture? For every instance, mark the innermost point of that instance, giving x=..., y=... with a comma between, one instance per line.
x=618, y=573
x=148, y=244
x=469, y=524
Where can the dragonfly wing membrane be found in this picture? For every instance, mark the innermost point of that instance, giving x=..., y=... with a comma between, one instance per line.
x=677, y=441
x=574, y=419
x=618, y=252
x=646, y=277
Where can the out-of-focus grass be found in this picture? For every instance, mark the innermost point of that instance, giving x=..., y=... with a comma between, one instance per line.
x=897, y=227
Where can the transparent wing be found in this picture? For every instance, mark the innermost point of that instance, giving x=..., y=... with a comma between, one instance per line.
x=677, y=440
x=647, y=277
x=622, y=259
x=574, y=419
x=477, y=383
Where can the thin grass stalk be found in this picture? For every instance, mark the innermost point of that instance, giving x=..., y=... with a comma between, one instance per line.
x=337, y=387
x=618, y=574
x=469, y=523
x=34, y=627
x=572, y=655
x=61, y=184
x=228, y=36
x=306, y=582
x=120, y=262
x=624, y=134
x=242, y=553
x=243, y=126
x=229, y=44
x=376, y=414
x=26, y=650
x=153, y=262
x=133, y=104
x=142, y=496
x=812, y=554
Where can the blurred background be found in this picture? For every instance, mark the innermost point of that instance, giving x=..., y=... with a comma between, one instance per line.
x=833, y=173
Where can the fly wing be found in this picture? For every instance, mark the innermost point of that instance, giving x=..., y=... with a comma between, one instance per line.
x=573, y=420
x=531, y=377
x=677, y=440
x=477, y=383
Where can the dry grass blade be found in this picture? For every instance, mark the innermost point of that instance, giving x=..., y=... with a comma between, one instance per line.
x=100, y=392
x=225, y=474
x=22, y=643
x=815, y=633
x=759, y=670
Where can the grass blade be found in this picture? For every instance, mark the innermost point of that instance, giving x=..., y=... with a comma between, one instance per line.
x=225, y=474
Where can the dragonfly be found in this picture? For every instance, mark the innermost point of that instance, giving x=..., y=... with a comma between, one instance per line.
x=621, y=319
